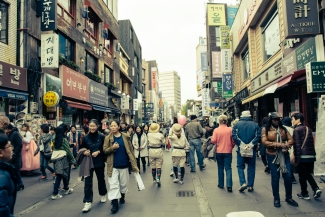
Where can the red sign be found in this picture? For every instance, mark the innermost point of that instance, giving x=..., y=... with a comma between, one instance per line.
x=153, y=79
x=13, y=76
x=74, y=84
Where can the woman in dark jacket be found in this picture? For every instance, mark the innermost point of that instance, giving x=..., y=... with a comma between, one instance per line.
x=8, y=179
x=93, y=142
x=305, y=156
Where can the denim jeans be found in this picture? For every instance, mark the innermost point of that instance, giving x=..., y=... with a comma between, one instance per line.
x=275, y=177
x=196, y=146
x=224, y=163
x=57, y=183
x=251, y=168
x=45, y=164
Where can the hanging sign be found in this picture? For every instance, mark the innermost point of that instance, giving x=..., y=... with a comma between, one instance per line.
x=225, y=37
x=216, y=64
x=50, y=51
x=315, y=77
x=227, y=85
x=51, y=98
x=49, y=15
x=225, y=60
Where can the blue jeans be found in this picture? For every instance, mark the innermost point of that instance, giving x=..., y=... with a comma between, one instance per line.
x=275, y=177
x=224, y=163
x=57, y=183
x=196, y=145
x=251, y=168
x=45, y=164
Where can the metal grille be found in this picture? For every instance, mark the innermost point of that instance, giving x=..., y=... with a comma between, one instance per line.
x=185, y=194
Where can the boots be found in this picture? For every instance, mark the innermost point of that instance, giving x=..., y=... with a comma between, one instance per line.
x=114, y=206
x=144, y=168
x=122, y=199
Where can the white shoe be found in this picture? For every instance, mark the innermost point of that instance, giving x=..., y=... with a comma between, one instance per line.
x=55, y=197
x=171, y=174
x=175, y=180
x=103, y=199
x=87, y=207
x=69, y=191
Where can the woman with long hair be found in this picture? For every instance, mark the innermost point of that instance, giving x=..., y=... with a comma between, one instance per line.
x=93, y=143
x=119, y=152
x=140, y=142
x=73, y=137
x=278, y=141
x=29, y=161
x=45, y=151
x=62, y=164
x=146, y=131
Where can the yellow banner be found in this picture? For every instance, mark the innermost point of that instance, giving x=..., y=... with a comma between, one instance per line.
x=216, y=15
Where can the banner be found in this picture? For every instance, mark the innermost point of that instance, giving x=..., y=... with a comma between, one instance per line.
x=216, y=14
x=216, y=64
x=227, y=85
x=205, y=102
x=319, y=168
x=225, y=37
x=50, y=51
x=225, y=60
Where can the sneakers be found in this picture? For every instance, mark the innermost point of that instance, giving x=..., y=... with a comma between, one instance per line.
x=69, y=191
x=317, y=193
x=154, y=181
x=203, y=168
x=250, y=189
x=171, y=174
x=181, y=182
x=55, y=197
x=243, y=187
x=291, y=202
x=87, y=207
x=158, y=183
x=305, y=197
x=175, y=180
x=103, y=199
x=229, y=189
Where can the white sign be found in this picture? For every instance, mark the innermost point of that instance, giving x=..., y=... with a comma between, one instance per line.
x=205, y=102
x=124, y=103
x=319, y=168
x=135, y=105
x=226, y=60
x=50, y=51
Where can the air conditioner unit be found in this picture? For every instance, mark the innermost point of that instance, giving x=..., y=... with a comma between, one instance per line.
x=33, y=107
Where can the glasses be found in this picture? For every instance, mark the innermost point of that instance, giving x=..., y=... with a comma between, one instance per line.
x=9, y=146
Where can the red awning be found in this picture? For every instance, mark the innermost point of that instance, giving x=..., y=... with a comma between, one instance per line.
x=284, y=81
x=79, y=105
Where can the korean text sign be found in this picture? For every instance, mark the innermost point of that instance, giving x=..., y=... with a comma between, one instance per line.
x=216, y=14
x=216, y=64
x=50, y=51
x=74, y=84
x=13, y=76
x=227, y=85
x=315, y=77
x=49, y=15
x=98, y=93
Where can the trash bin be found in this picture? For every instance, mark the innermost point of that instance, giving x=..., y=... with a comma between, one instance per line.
x=245, y=214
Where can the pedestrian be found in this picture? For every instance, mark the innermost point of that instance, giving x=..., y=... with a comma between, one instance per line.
x=278, y=141
x=61, y=163
x=119, y=152
x=93, y=143
x=246, y=134
x=45, y=151
x=74, y=137
x=305, y=156
x=179, y=142
x=84, y=132
x=193, y=133
x=140, y=142
x=262, y=148
x=146, y=130
x=8, y=178
x=286, y=122
x=130, y=130
x=222, y=137
x=170, y=132
x=123, y=127
x=155, y=140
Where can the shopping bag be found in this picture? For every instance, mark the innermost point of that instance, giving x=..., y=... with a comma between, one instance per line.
x=168, y=144
x=139, y=181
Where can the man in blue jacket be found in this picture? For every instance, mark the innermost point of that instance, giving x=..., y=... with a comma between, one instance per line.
x=248, y=132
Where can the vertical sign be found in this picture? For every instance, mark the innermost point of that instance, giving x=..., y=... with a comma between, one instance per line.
x=124, y=103
x=49, y=15
x=227, y=85
x=50, y=51
x=225, y=60
x=153, y=77
x=315, y=77
x=216, y=64
x=204, y=61
x=135, y=104
x=225, y=37
x=231, y=14
x=205, y=102
x=216, y=14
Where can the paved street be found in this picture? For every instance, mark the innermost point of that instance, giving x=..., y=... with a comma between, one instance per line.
x=207, y=200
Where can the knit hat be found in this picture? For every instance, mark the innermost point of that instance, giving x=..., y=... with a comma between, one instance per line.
x=177, y=129
x=193, y=117
x=245, y=114
x=154, y=128
x=286, y=121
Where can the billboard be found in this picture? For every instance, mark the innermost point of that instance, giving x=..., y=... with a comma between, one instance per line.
x=216, y=14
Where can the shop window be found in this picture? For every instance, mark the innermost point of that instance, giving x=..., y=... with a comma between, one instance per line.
x=66, y=47
x=4, y=22
x=91, y=63
x=66, y=9
x=271, y=34
x=218, y=44
x=91, y=24
x=109, y=75
x=245, y=63
x=109, y=43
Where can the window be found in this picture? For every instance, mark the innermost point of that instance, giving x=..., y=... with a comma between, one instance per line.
x=245, y=63
x=92, y=22
x=135, y=61
x=66, y=9
x=131, y=35
x=143, y=73
x=91, y=63
x=271, y=34
x=109, y=43
x=109, y=75
x=4, y=22
x=109, y=4
x=218, y=44
x=66, y=47
x=138, y=79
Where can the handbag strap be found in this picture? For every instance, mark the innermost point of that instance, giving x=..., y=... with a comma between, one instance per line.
x=305, y=138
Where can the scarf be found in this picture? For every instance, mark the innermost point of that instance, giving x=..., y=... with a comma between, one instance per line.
x=279, y=157
x=139, y=138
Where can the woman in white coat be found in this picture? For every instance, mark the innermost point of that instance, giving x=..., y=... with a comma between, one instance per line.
x=140, y=142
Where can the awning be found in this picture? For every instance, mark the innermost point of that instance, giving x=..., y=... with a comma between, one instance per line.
x=270, y=89
x=255, y=96
x=79, y=105
x=274, y=87
x=13, y=94
x=100, y=108
x=284, y=81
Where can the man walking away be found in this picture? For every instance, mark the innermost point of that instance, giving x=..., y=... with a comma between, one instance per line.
x=248, y=132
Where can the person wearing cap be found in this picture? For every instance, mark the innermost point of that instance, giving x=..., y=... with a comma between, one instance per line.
x=155, y=141
x=248, y=132
x=194, y=132
x=278, y=141
x=222, y=137
x=179, y=142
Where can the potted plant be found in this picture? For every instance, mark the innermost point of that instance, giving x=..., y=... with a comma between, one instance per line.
x=110, y=86
x=68, y=63
x=93, y=76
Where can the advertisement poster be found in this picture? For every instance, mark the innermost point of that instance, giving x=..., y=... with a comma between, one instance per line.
x=319, y=168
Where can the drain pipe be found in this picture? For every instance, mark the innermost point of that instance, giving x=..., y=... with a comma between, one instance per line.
x=21, y=33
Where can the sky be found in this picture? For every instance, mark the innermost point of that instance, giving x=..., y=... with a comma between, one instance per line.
x=169, y=31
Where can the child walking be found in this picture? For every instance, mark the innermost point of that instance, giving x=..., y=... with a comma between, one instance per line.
x=179, y=143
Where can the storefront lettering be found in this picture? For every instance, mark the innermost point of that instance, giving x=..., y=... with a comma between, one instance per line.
x=247, y=13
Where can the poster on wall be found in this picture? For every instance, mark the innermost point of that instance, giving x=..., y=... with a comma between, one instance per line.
x=319, y=168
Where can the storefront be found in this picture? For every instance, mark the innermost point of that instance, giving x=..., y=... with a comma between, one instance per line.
x=13, y=91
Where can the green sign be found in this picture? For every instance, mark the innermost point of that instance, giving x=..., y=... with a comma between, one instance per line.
x=306, y=53
x=225, y=37
x=219, y=86
x=315, y=77
x=227, y=94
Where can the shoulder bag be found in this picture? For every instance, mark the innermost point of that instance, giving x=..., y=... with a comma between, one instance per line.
x=292, y=155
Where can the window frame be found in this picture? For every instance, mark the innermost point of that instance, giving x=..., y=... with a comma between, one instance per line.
x=72, y=46
x=71, y=13
x=92, y=35
x=110, y=74
x=7, y=23
x=111, y=43
x=96, y=63
x=143, y=74
x=244, y=55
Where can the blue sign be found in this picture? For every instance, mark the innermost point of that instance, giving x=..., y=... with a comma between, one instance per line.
x=13, y=95
x=214, y=105
x=231, y=14
x=204, y=61
x=227, y=85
